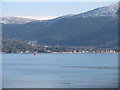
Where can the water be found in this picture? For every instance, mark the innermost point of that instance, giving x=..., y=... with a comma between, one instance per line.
x=50, y=70
x=0, y=71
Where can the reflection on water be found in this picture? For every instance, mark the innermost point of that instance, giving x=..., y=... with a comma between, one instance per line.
x=60, y=70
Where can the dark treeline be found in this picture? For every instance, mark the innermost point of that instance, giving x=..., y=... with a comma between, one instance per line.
x=14, y=46
x=19, y=46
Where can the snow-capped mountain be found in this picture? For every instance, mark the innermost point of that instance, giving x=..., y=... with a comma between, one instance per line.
x=83, y=29
x=110, y=10
x=102, y=11
x=15, y=20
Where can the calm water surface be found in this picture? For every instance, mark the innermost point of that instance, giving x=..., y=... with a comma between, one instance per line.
x=50, y=70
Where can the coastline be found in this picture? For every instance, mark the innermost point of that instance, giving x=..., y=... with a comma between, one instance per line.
x=60, y=52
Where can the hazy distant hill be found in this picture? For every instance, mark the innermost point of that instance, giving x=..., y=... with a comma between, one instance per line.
x=95, y=27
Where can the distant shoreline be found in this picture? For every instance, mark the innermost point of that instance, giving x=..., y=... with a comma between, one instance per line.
x=61, y=52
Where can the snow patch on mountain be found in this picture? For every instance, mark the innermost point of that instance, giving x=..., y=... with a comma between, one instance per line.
x=102, y=11
x=15, y=20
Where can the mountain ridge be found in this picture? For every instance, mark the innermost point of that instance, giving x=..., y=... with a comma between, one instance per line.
x=101, y=11
x=70, y=30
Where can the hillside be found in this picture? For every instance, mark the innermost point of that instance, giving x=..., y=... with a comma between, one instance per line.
x=71, y=30
x=16, y=46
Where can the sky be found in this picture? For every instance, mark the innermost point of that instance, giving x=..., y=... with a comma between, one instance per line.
x=48, y=10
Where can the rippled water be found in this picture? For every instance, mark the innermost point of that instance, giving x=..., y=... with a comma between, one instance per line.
x=0, y=71
x=50, y=70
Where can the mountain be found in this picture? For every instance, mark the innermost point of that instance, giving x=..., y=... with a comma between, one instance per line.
x=15, y=20
x=97, y=27
x=102, y=11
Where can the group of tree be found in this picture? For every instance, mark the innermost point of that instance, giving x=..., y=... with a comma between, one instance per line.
x=18, y=46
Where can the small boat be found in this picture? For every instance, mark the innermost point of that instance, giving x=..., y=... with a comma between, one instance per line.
x=35, y=53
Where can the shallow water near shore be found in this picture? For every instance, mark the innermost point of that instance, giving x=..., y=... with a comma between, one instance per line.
x=57, y=70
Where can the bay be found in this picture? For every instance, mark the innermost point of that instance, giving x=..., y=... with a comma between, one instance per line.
x=57, y=70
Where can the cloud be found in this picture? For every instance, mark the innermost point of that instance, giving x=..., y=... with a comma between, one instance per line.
x=42, y=17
